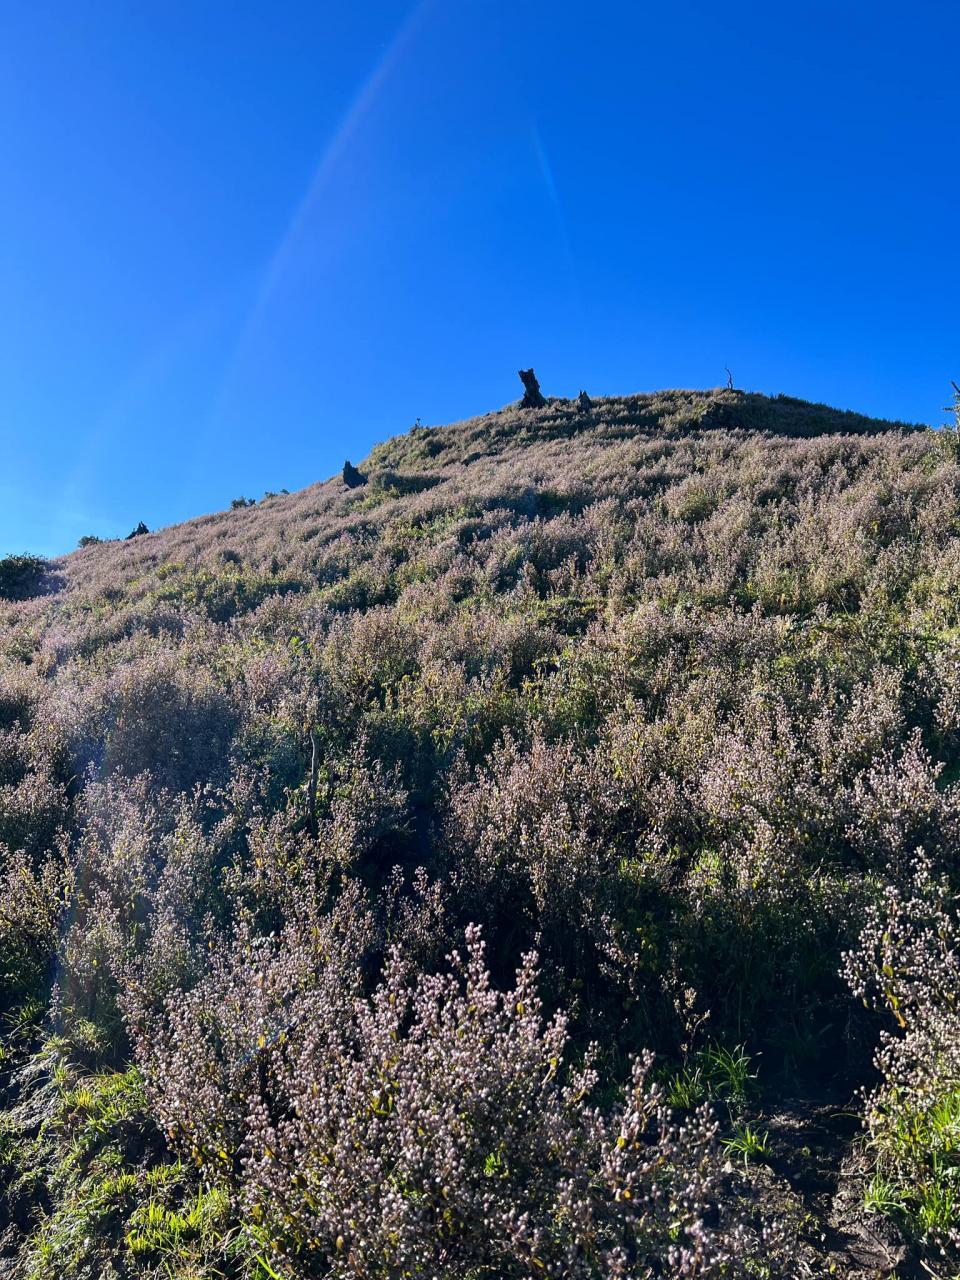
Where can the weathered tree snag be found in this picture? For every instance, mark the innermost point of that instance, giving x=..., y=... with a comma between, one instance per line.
x=533, y=396
x=584, y=403
x=352, y=478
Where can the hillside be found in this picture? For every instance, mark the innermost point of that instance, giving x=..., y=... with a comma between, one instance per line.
x=358, y=848
x=514, y=458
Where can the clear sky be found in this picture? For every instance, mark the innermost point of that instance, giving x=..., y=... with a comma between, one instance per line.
x=240, y=242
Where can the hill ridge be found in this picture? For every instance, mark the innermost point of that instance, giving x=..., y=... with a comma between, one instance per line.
x=665, y=412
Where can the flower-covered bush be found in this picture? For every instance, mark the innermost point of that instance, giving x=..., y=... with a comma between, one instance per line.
x=908, y=966
x=434, y=1128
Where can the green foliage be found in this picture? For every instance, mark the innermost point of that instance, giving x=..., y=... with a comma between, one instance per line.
x=113, y=1202
x=883, y=1195
x=917, y=1176
x=223, y=594
x=182, y=1235
x=728, y=1072
x=33, y=902
x=715, y=1073
x=749, y=1143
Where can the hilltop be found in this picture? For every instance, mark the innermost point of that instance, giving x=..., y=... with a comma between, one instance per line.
x=668, y=414
x=358, y=848
x=514, y=455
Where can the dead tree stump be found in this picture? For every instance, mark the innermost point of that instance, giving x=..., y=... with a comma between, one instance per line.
x=533, y=396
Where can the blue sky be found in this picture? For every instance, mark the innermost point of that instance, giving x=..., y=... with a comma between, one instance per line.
x=240, y=242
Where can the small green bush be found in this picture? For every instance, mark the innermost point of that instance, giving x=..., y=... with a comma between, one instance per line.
x=20, y=576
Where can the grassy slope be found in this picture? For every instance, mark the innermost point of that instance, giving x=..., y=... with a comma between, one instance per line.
x=700, y=619
x=536, y=464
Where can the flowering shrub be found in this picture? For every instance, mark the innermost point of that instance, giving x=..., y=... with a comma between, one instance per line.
x=435, y=1128
x=908, y=966
x=160, y=718
x=33, y=904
